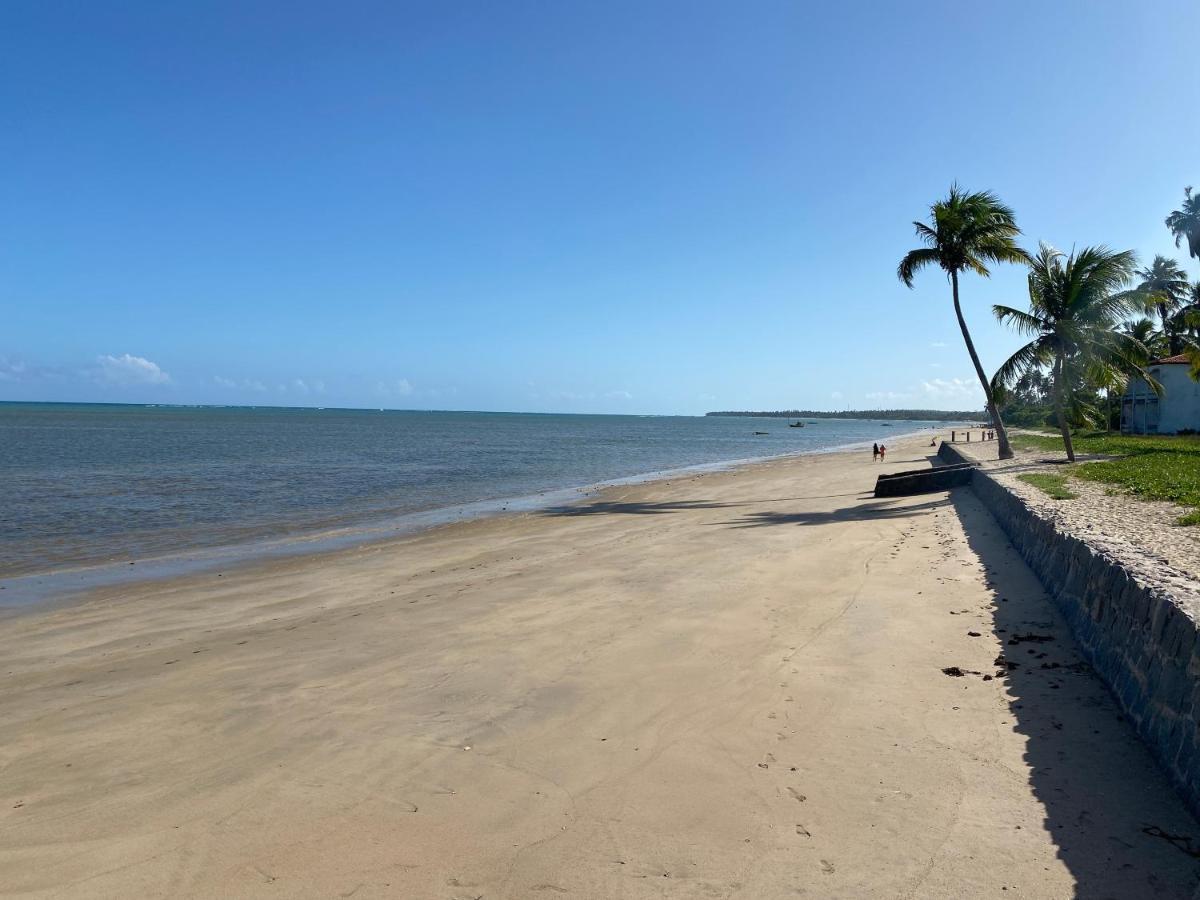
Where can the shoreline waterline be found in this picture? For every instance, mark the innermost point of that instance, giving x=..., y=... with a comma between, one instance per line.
x=35, y=590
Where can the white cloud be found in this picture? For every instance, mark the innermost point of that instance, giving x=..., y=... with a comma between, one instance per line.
x=128, y=369
x=952, y=389
x=837, y=395
x=299, y=384
x=11, y=370
x=619, y=395
x=319, y=386
x=246, y=384
x=964, y=392
x=398, y=388
x=937, y=345
x=20, y=370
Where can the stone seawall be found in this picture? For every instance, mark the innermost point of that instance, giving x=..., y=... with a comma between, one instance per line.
x=950, y=455
x=924, y=481
x=1139, y=639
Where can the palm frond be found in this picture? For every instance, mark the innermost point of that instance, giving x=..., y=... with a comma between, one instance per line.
x=1025, y=323
x=914, y=261
x=1035, y=354
x=969, y=230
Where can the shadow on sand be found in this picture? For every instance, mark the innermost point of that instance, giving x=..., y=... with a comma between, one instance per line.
x=635, y=508
x=1117, y=822
x=877, y=509
x=650, y=508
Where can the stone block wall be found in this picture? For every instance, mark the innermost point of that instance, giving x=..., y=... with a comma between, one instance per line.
x=1141, y=641
x=924, y=481
x=950, y=456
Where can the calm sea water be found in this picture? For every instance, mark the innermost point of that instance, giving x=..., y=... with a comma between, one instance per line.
x=85, y=484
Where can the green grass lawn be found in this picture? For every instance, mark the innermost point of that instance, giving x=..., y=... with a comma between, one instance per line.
x=1152, y=467
x=1053, y=485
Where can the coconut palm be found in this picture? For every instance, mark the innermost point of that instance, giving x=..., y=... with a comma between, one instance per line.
x=1185, y=325
x=966, y=232
x=1075, y=304
x=1144, y=331
x=1187, y=321
x=1165, y=288
x=1185, y=222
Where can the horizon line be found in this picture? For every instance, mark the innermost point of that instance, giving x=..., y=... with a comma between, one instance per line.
x=509, y=412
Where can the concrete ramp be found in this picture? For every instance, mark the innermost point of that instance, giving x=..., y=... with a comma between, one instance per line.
x=925, y=481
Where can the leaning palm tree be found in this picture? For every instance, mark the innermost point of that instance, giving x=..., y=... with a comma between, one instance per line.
x=966, y=232
x=1164, y=286
x=1185, y=222
x=1076, y=302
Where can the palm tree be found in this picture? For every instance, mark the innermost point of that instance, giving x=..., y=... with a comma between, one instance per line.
x=1075, y=304
x=1187, y=320
x=1165, y=288
x=1185, y=222
x=1143, y=331
x=1186, y=327
x=967, y=231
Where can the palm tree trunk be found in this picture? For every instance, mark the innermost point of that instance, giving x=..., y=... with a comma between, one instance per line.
x=1005, y=451
x=1174, y=345
x=1060, y=409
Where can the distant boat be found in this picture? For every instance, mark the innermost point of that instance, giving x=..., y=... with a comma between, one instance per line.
x=886, y=424
x=795, y=425
x=760, y=432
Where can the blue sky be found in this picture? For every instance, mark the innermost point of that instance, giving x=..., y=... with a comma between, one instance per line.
x=660, y=207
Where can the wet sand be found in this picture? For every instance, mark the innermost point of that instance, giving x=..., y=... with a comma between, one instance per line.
x=729, y=685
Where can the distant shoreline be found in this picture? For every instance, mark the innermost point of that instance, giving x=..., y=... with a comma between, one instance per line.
x=914, y=415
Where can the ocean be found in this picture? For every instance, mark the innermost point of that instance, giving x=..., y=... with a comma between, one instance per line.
x=85, y=485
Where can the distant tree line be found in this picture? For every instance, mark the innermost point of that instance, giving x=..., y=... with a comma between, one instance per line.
x=927, y=415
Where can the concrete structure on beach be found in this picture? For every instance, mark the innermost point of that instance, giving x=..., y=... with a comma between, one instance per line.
x=1178, y=409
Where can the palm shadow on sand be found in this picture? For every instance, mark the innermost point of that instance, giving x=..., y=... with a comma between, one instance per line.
x=635, y=508
x=651, y=508
x=876, y=509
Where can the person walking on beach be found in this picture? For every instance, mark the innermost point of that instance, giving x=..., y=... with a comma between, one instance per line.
x=882, y=452
x=874, y=453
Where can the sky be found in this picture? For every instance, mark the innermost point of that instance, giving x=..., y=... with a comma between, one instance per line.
x=622, y=207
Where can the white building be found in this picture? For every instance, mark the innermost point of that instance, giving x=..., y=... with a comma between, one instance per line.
x=1178, y=409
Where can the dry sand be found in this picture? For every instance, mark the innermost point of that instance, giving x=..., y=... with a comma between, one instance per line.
x=722, y=686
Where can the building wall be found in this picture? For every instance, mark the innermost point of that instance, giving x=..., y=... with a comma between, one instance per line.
x=1177, y=410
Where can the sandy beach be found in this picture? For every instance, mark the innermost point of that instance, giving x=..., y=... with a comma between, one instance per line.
x=724, y=685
